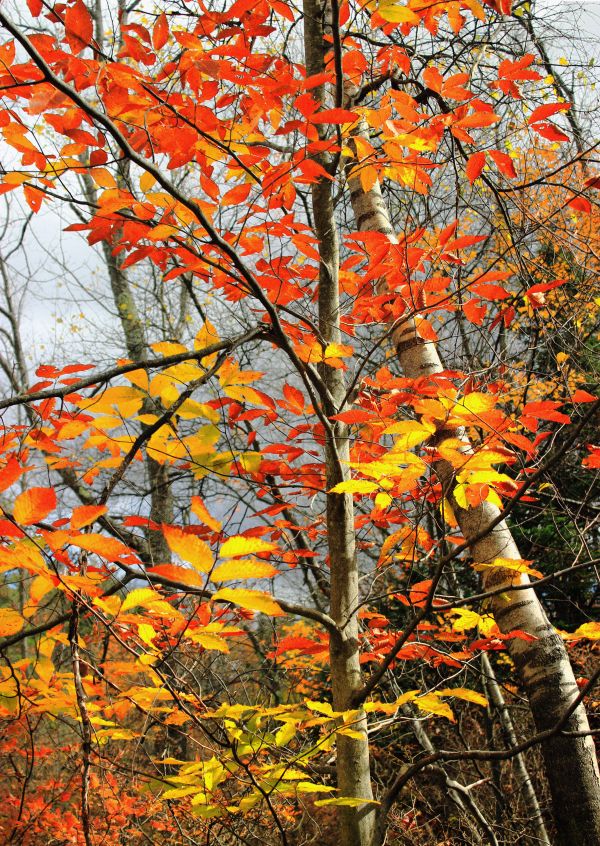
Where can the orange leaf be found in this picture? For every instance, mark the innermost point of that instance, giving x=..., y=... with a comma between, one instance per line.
x=236, y=195
x=85, y=515
x=583, y=396
x=475, y=165
x=9, y=474
x=547, y=110
x=78, y=24
x=34, y=505
x=504, y=163
x=160, y=33
x=334, y=116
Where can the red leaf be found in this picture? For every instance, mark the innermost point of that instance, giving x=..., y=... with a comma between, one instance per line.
x=490, y=292
x=236, y=195
x=593, y=459
x=9, y=474
x=504, y=163
x=463, y=241
x=334, y=116
x=78, y=24
x=583, y=396
x=160, y=33
x=34, y=505
x=475, y=165
x=475, y=311
x=542, y=287
x=546, y=111
x=550, y=132
x=295, y=399
x=35, y=7
x=581, y=204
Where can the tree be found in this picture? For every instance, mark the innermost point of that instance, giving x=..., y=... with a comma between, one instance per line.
x=257, y=427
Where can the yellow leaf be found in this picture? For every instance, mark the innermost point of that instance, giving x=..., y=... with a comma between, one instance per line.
x=189, y=547
x=466, y=619
x=311, y=787
x=517, y=565
x=146, y=633
x=147, y=180
x=463, y=693
x=206, y=337
x=246, y=569
x=139, y=596
x=238, y=545
x=367, y=175
x=394, y=13
x=10, y=622
x=337, y=351
x=190, y=410
x=410, y=433
x=355, y=486
x=255, y=600
x=431, y=703
x=127, y=400
x=39, y=587
x=202, y=513
x=591, y=631
x=242, y=393
x=208, y=640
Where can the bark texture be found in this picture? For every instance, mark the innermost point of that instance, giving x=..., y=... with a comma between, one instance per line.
x=543, y=664
x=352, y=755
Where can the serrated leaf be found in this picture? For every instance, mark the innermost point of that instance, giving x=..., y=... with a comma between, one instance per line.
x=246, y=569
x=463, y=693
x=189, y=547
x=140, y=596
x=11, y=622
x=85, y=515
x=239, y=545
x=254, y=600
x=34, y=505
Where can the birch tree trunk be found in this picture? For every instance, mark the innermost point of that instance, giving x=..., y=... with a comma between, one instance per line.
x=352, y=755
x=543, y=664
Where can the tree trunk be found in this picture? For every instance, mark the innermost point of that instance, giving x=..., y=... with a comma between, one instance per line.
x=496, y=698
x=352, y=755
x=543, y=664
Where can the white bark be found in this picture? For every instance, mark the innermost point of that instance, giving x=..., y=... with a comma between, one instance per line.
x=543, y=664
x=352, y=755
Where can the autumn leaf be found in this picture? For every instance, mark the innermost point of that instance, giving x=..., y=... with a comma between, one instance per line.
x=34, y=505
x=254, y=600
x=11, y=622
x=245, y=569
x=334, y=116
x=189, y=547
x=85, y=515
x=239, y=545
x=355, y=486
